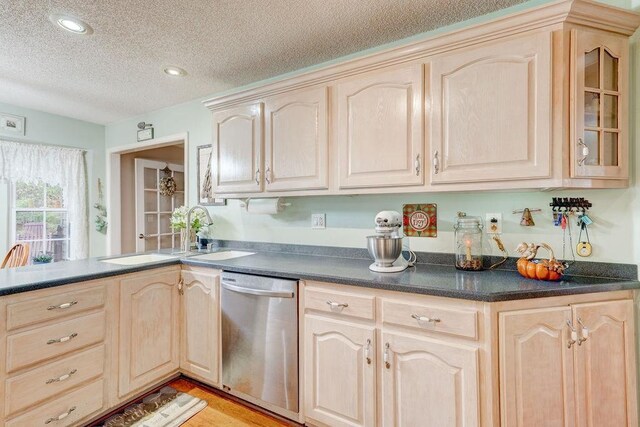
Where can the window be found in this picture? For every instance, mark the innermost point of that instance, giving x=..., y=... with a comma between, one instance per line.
x=40, y=218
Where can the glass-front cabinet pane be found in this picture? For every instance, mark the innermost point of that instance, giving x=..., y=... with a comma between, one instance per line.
x=600, y=139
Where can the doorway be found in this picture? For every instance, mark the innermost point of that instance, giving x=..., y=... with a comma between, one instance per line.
x=140, y=208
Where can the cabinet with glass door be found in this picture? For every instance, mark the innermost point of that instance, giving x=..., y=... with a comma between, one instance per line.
x=600, y=147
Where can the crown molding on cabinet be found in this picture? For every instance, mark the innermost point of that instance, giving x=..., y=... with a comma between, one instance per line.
x=586, y=13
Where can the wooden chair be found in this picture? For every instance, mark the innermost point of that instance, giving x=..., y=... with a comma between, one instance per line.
x=17, y=256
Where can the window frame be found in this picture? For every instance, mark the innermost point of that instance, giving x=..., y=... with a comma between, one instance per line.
x=12, y=194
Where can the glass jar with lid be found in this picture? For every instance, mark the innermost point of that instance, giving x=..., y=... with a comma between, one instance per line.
x=468, y=240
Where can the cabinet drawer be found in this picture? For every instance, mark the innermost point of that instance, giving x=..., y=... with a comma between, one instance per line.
x=36, y=310
x=447, y=320
x=78, y=404
x=37, y=345
x=344, y=303
x=39, y=384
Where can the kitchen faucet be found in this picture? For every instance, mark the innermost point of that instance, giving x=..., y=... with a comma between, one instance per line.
x=187, y=240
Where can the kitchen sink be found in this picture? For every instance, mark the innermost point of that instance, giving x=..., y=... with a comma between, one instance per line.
x=221, y=256
x=139, y=259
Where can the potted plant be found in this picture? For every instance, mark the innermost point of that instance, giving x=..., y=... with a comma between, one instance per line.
x=42, y=258
x=178, y=222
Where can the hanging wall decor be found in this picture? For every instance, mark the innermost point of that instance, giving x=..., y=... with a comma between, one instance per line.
x=420, y=220
x=204, y=176
x=168, y=184
x=101, y=218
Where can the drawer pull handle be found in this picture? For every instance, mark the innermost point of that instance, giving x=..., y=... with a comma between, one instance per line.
x=385, y=356
x=62, y=306
x=62, y=378
x=367, y=352
x=61, y=416
x=337, y=305
x=426, y=319
x=63, y=339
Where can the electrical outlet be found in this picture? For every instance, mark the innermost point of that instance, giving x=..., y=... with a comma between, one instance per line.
x=318, y=221
x=493, y=223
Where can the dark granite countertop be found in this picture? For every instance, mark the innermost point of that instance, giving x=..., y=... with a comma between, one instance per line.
x=428, y=279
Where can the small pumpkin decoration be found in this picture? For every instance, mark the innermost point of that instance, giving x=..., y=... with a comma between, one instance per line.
x=546, y=269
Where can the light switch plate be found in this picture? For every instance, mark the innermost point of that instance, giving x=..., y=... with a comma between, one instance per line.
x=493, y=223
x=318, y=221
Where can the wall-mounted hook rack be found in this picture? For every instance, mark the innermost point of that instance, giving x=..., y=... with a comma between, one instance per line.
x=570, y=204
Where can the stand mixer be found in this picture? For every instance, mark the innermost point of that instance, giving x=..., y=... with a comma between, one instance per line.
x=385, y=247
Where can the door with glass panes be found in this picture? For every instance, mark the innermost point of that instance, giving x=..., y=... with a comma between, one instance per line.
x=600, y=143
x=153, y=209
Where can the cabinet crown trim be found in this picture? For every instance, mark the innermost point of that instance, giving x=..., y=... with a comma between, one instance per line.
x=586, y=13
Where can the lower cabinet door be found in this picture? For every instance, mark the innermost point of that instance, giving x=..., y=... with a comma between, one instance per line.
x=605, y=368
x=428, y=383
x=149, y=326
x=200, y=326
x=339, y=372
x=536, y=368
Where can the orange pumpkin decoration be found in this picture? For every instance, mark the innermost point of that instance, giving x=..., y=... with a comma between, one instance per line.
x=548, y=269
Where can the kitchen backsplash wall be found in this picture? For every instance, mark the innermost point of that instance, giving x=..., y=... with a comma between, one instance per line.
x=616, y=213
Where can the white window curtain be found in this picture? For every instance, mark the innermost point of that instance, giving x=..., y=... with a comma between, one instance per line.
x=54, y=166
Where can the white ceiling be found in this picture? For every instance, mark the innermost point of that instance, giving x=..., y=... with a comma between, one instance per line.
x=116, y=72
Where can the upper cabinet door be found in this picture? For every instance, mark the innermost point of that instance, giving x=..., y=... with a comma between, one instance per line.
x=606, y=364
x=380, y=132
x=296, y=142
x=536, y=368
x=491, y=115
x=600, y=77
x=237, y=150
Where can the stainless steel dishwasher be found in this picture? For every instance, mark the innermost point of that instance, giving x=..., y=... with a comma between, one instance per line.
x=260, y=341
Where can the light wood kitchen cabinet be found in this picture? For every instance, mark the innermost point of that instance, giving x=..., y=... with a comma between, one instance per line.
x=428, y=382
x=237, y=149
x=380, y=132
x=536, y=367
x=340, y=372
x=600, y=89
x=491, y=116
x=297, y=141
x=572, y=365
x=200, y=332
x=605, y=364
x=149, y=329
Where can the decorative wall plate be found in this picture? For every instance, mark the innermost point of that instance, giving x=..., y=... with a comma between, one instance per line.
x=420, y=220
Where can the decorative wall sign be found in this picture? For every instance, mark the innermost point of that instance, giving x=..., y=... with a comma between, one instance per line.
x=205, y=182
x=11, y=124
x=145, y=134
x=420, y=220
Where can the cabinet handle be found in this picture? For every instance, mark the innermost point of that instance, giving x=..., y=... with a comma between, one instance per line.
x=62, y=378
x=267, y=175
x=61, y=416
x=337, y=305
x=436, y=163
x=367, y=352
x=584, y=332
x=385, y=356
x=62, y=306
x=573, y=336
x=417, y=163
x=425, y=318
x=584, y=150
x=258, y=176
x=181, y=286
x=63, y=339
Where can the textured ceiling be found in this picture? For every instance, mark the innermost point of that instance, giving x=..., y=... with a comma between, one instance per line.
x=116, y=72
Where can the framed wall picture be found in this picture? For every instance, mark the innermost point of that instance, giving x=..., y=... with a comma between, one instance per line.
x=11, y=124
x=205, y=177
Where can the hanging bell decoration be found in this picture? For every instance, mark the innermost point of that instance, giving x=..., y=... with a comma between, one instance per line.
x=527, y=218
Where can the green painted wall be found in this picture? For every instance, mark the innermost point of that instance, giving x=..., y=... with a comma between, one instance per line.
x=45, y=128
x=350, y=218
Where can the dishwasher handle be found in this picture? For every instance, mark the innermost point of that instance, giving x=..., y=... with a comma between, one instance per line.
x=258, y=292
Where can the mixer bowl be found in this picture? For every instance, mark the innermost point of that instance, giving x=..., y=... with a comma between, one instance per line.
x=384, y=249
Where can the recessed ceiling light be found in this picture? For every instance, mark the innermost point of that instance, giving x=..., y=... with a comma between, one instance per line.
x=71, y=24
x=174, y=71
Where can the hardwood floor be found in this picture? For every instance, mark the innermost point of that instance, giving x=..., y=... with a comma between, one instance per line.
x=222, y=411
